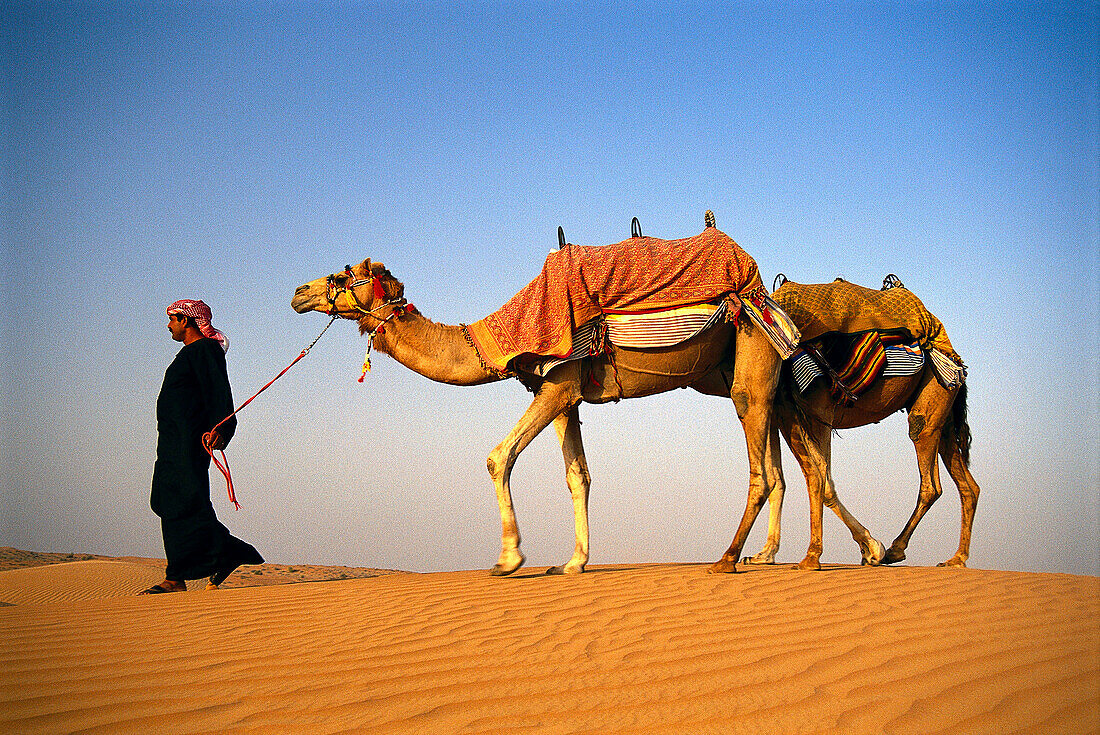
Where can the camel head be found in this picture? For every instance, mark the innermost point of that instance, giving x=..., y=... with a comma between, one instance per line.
x=357, y=292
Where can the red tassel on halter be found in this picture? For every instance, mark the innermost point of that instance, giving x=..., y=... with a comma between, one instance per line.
x=379, y=293
x=366, y=366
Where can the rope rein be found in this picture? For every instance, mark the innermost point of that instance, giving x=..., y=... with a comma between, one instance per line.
x=334, y=290
x=208, y=437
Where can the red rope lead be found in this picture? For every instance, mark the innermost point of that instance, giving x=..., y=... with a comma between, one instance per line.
x=208, y=437
x=223, y=465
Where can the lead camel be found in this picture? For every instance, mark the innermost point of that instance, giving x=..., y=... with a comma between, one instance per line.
x=369, y=294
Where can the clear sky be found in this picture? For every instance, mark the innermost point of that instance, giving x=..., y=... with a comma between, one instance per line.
x=231, y=151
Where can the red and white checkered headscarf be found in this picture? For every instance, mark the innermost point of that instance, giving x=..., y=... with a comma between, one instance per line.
x=201, y=313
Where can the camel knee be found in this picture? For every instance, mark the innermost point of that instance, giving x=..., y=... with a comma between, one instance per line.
x=497, y=464
x=740, y=398
x=776, y=482
x=758, y=495
x=969, y=493
x=929, y=495
x=582, y=476
x=577, y=476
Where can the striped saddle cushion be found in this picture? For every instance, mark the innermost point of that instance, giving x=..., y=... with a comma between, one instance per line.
x=638, y=329
x=859, y=361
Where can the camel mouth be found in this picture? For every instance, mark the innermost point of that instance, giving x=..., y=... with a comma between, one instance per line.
x=302, y=301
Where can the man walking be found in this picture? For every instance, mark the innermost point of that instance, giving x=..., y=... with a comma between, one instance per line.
x=195, y=396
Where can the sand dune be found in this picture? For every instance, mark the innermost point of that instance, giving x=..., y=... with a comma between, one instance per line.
x=621, y=649
x=78, y=580
x=29, y=577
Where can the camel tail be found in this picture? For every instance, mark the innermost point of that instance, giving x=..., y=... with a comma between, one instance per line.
x=960, y=427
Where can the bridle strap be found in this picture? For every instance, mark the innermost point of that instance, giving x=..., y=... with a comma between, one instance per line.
x=400, y=306
x=335, y=291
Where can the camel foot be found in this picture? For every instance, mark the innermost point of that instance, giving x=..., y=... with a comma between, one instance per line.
x=723, y=566
x=809, y=564
x=505, y=567
x=764, y=557
x=500, y=570
x=565, y=569
x=893, y=556
x=873, y=553
x=955, y=561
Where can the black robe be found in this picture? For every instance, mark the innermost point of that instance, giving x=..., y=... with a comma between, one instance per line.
x=195, y=396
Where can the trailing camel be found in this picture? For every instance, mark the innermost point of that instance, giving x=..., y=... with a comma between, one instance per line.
x=937, y=427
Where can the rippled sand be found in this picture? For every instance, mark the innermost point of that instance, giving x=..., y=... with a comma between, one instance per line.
x=620, y=649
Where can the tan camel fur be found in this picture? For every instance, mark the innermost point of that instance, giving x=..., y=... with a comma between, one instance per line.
x=937, y=425
x=442, y=353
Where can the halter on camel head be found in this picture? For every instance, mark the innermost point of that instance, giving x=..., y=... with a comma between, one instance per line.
x=344, y=284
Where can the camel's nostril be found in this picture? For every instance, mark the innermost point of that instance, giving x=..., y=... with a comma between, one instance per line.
x=304, y=287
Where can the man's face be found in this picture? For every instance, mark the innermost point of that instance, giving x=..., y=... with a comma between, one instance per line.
x=177, y=325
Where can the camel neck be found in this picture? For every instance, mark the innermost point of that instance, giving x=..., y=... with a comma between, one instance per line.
x=439, y=352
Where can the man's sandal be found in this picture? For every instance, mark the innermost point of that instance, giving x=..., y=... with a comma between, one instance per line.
x=222, y=574
x=159, y=589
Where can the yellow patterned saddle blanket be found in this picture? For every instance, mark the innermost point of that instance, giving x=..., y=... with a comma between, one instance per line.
x=844, y=308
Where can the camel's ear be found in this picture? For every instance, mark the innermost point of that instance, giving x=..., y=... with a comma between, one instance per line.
x=393, y=287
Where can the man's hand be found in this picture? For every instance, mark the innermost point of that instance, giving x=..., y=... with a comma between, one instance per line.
x=214, y=440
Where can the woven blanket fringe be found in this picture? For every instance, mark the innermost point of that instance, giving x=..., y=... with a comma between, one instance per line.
x=779, y=328
x=951, y=374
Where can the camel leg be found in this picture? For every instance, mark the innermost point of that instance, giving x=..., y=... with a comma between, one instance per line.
x=968, y=494
x=925, y=431
x=766, y=555
x=755, y=375
x=871, y=550
x=568, y=427
x=812, y=446
x=551, y=400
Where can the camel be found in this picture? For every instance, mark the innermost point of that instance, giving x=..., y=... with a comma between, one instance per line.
x=369, y=294
x=937, y=425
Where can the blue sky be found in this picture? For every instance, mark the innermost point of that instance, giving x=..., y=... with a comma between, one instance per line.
x=231, y=151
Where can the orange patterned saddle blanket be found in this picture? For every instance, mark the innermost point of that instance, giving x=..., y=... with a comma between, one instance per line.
x=580, y=283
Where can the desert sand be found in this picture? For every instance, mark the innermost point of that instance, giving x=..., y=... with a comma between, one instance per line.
x=664, y=648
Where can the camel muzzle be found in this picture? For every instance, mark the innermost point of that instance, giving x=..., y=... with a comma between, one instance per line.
x=303, y=299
